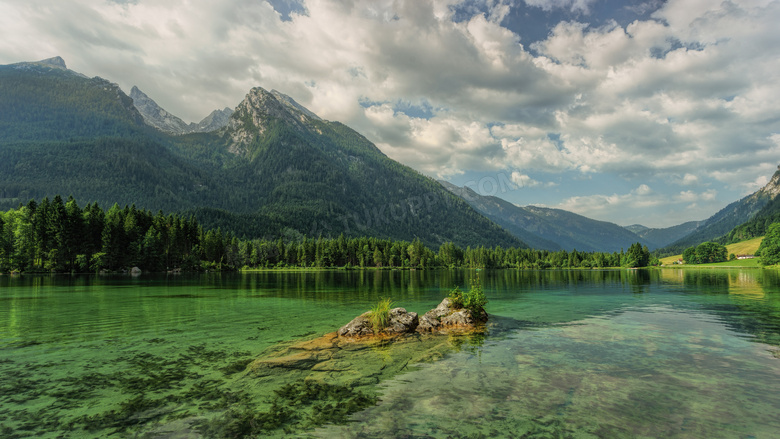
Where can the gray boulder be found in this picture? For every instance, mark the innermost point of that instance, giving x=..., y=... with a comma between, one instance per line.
x=445, y=316
x=400, y=322
x=358, y=327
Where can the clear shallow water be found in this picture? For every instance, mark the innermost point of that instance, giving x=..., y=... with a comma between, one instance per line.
x=669, y=353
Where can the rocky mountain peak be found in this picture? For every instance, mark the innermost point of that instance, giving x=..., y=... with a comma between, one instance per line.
x=772, y=189
x=56, y=61
x=214, y=121
x=155, y=115
x=294, y=106
x=260, y=108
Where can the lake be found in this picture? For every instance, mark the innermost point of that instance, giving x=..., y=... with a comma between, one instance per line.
x=566, y=354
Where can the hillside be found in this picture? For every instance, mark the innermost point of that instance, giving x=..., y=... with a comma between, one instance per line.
x=274, y=168
x=732, y=216
x=550, y=229
x=769, y=214
x=748, y=247
x=503, y=213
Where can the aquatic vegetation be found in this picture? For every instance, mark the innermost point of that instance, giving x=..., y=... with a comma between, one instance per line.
x=134, y=411
x=380, y=314
x=236, y=366
x=295, y=407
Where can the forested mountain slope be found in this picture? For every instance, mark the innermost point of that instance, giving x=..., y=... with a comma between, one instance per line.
x=275, y=168
x=768, y=215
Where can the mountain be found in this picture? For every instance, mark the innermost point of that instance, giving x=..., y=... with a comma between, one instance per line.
x=664, y=236
x=576, y=231
x=215, y=120
x=550, y=229
x=156, y=116
x=318, y=176
x=728, y=218
x=274, y=168
x=769, y=214
x=44, y=101
x=507, y=215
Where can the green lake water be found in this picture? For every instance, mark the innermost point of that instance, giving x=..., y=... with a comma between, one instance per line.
x=566, y=354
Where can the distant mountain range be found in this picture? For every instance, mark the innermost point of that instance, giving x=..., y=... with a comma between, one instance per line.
x=664, y=236
x=272, y=168
x=554, y=229
x=550, y=229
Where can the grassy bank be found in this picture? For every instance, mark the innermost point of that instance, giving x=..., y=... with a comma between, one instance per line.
x=748, y=247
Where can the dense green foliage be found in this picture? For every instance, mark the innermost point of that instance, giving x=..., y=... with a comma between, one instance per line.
x=637, y=256
x=473, y=300
x=60, y=236
x=705, y=253
x=769, y=250
x=456, y=297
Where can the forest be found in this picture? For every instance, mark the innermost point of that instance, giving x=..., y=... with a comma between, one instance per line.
x=60, y=236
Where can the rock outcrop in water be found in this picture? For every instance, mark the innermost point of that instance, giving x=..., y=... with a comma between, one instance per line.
x=445, y=317
x=400, y=322
x=442, y=318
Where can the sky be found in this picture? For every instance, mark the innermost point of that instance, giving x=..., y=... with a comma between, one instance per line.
x=635, y=112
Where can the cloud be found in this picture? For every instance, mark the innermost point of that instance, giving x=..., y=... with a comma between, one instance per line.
x=643, y=205
x=524, y=181
x=582, y=6
x=690, y=95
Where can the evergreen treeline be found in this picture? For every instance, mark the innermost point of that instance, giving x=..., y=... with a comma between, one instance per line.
x=61, y=236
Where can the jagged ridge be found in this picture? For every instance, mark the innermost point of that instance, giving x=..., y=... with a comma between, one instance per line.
x=158, y=117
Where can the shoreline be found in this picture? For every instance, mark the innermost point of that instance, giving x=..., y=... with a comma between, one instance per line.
x=374, y=269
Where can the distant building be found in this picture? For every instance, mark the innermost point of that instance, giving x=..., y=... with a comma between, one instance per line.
x=745, y=256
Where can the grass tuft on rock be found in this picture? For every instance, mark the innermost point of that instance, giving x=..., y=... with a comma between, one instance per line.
x=379, y=315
